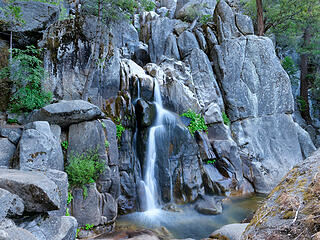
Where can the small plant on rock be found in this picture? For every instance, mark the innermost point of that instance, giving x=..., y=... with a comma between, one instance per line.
x=120, y=130
x=106, y=144
x=89, y=226
x=197, y=122
x=225, y=118
x=84, y=168
x=64, y=145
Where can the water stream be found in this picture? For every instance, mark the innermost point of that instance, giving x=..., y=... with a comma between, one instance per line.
x=163, y=119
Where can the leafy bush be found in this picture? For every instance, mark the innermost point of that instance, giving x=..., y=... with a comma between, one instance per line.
x=302, y=105
x=120, y=130
x=26, y=73
x=84, y=168
x=197, y=122
x=106, y=144
x=204, y=19
x=225, y=118
x=290, y=67
x=64, y=145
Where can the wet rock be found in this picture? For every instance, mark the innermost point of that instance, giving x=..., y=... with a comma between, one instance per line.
x=65, y=113
x=39, y=149
x=291, y=209
x=127, y=199
x=230, y=231
x=38, y=192
x=109, y=208
x=7, y=150
x=52, y=227
x=244, y=24
x=11, y=204
x=171, y=207
x=186, y=43
x=145, y=113
x=208, y=205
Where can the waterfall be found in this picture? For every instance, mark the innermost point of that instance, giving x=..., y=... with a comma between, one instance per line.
x=163, y=118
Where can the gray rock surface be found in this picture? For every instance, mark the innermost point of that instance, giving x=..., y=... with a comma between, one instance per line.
x=193, y=8
x=306, y=144
x=13, y=134
x=39, y=149
x=11, y=204
x=16, y=233
x=208, y=205
x=52, y=227
x=187, y=42
x=231, y=231
x=37, y=16
x=244, y=24
x=38, y=192
x=7, y=150
x=65, y=113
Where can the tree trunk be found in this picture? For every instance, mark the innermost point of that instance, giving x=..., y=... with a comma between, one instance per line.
x=304, y=78
x=261, y=26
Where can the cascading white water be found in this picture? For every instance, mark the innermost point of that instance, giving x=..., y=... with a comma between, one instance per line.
x=156, y=131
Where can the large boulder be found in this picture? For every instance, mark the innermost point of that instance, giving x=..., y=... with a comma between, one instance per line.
x=16, y=233
x=187, y=42
x=7, y=150
x=39, y=149
x=38, y=192
x=190, y=9
x=12, y=133
x=291, y=210
x=65, y=113
x=46, y=227
x=230, y=231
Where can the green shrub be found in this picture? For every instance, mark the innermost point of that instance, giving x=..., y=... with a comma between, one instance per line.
x=12, y=120
x=211, y=161
x=204, y=19
x=89, y=226
x=106, y=144
x=197, y=122
x=120, y=130
x=291, y=68
x=302, y=105
x=84, y=168
x=225, y=118
x=64, y=145
x=26, y=73
x=70, y=198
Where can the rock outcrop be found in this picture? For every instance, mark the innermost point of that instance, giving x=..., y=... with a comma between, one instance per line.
x=291, y=209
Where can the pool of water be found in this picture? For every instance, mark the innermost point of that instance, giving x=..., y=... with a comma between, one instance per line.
x=191, y=224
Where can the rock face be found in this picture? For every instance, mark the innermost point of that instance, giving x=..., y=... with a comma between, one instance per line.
x=38, y=192
x=11, y=204
x=291, y=209
x=39, y=149
x=37, y=17
x=230, y=231
x=7, y=151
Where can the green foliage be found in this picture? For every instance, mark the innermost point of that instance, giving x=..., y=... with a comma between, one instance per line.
x=113, y=10
x=290, y=67
x=77, y=233
x=12, y=12
x=70, y=198
x=103, y=124
x=106, y=144
x=120, y=130
x=26, y=73
x=211, y=161
x=225, y=118
x=65, y=145
x=197, y=122
x=302, y=105
x=84, y=168
x=204, y=19
x=89, y=226
x=12, y=120
x=67, y=212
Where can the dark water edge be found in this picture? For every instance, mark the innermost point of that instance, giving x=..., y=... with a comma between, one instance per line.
x=191, y=224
